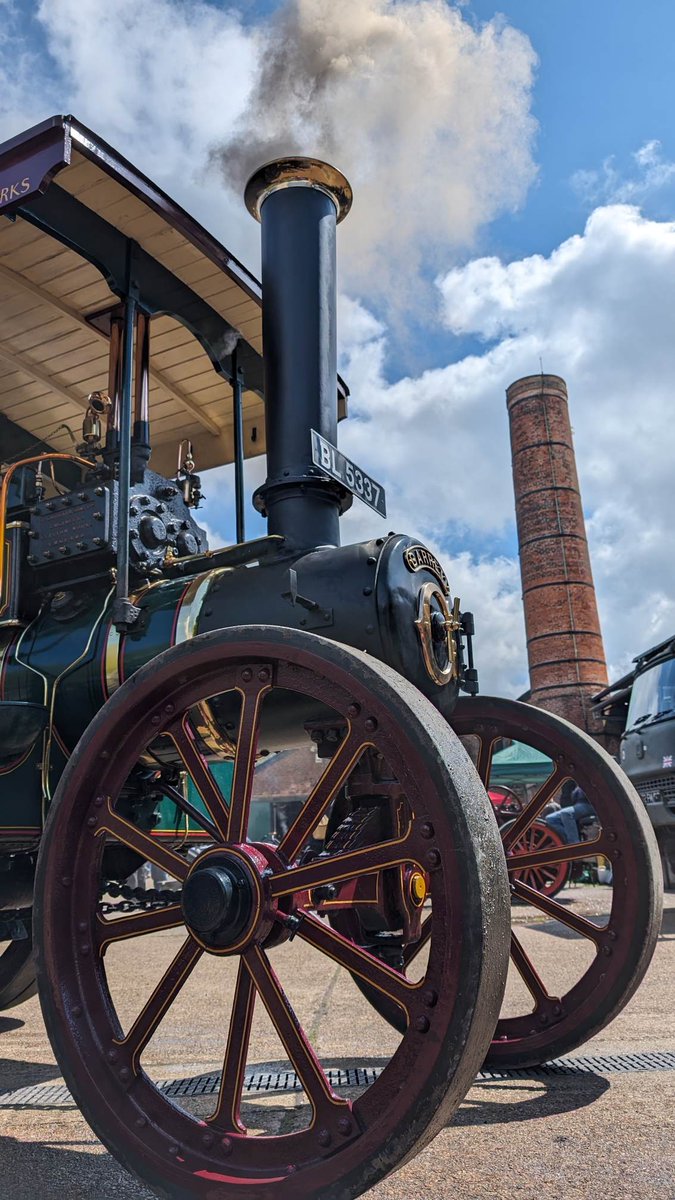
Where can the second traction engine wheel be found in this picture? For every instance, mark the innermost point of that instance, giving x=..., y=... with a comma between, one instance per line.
x=589, y=990
x=241, y=915
x=568, y=996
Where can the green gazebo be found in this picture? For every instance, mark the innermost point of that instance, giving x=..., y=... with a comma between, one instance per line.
x=519, y=763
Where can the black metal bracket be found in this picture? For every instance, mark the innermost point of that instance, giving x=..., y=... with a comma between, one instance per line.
x=238, y=422
x=228, y=556
x=125, y=613
x=468, y=675
x=293, y=922
x=318, y=617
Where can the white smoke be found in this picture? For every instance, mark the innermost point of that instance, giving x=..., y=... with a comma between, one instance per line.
x=427, y=115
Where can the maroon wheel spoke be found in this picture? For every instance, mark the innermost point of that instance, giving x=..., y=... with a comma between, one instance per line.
x=547, y=877
x=136, y=925
x=227, y=1117
x=341, y=866
x=532, y=810
x=571, y=852
x=325, y=1103
x=529, y=973
x=410, y=952
x=332, y=779
x=244, y=762
x=153, y=1012
x=359, y=962
x=558, y=912
x=148, y=847
x=197, y=768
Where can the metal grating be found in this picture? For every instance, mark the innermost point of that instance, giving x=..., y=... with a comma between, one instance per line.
x=660, y=790
x=56, y=1095
x=272, y=1081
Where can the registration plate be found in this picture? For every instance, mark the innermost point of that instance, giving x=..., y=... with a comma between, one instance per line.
x=347, y=473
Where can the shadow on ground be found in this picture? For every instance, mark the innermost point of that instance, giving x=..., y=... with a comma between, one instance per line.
x=17, y=1074
x=512, y=1100
x=80, y=1171
x=9, y=1023
x=668, y=922
x=32, y=1169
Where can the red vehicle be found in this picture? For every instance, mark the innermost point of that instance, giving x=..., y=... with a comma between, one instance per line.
x=549, y=878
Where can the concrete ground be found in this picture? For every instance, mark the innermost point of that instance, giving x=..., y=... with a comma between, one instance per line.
x=554, y=1138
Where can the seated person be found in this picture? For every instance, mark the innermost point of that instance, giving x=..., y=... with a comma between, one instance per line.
x=564, y=821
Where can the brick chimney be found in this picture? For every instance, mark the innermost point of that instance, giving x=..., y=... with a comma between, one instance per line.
x=564, y=643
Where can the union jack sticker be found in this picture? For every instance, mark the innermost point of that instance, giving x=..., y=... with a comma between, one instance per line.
x=667, y=760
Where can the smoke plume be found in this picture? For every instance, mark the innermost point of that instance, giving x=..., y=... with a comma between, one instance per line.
x=427, y=115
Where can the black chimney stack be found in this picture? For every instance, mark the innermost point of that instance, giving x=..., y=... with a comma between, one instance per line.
x=299, y=202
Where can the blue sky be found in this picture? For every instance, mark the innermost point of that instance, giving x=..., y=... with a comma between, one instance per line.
x=603, y=88
x=515, y=185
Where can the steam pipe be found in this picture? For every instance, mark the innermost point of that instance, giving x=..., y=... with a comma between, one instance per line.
x=299, y=202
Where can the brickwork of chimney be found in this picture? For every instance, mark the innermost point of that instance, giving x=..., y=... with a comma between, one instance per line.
x=564, y=642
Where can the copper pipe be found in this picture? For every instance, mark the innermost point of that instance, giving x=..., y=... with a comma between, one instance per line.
x=114, y=384
x=142, y=372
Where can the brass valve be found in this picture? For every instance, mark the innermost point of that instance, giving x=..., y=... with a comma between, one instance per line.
x=99, y=403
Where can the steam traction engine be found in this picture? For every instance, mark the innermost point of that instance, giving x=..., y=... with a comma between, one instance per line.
x=145, y=674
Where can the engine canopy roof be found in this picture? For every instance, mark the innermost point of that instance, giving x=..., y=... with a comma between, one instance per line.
x=83, y=228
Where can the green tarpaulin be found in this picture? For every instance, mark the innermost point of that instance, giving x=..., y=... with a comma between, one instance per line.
x=519, y=763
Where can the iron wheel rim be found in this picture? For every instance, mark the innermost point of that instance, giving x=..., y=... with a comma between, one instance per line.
x=625, y=944
x=81, y=1017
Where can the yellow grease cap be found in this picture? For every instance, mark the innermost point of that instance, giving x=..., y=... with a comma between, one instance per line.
x=418, y=888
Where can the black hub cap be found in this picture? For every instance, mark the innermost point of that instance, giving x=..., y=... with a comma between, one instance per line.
x=218, y=901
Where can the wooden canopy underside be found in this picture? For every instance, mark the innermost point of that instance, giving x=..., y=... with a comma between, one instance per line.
x=51, y=356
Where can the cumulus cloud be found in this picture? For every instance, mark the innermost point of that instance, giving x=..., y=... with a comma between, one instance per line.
x=161, y=81
x=428, y=115
x=597, y=311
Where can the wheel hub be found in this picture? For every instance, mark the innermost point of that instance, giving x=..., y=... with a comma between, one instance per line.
x=220, y=901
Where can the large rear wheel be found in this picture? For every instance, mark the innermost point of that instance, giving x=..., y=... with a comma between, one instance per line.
x=238, y=937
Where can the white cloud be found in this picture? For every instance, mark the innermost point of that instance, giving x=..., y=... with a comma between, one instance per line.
x=598, y=311
x=429, y=115
x=426, y=113
x=651, y=172
x=161, y=81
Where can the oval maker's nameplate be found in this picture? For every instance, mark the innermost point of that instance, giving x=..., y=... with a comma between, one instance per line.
x=418, y=558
